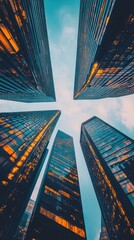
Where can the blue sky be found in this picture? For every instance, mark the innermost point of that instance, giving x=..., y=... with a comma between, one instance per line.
x=62, y=23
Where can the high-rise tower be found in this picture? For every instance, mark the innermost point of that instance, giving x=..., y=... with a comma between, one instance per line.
x=59, y=211
x=108, y=153
x=24, y=138
x=104, y=64
x=25, y=66
x=23, y=225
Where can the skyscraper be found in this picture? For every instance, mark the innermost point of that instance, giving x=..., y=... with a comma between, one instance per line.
x=59, y=211
x=104, y=64
x=107, y=152
x=104, y=233
x=23, y=225
x=24, y=139
x=25, y=66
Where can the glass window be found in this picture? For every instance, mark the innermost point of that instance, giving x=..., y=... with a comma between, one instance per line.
x=120, y=176
x=127, y=186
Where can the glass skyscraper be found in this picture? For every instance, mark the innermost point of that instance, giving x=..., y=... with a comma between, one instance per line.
x=59, y=213
x=24, y=137
x=108, y=154
x=23, y=225
x=104, y=64
x=25, y=66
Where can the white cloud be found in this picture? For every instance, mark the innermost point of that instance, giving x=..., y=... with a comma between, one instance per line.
x=127, y=111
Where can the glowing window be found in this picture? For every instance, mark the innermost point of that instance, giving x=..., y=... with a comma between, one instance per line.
x=127, y=186
x=8, y=40
x=120, y=176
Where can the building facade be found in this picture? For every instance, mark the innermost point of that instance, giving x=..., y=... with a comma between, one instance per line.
x=104, y=64
x=25, y=66
x=104, y=233
x=107, y=152
x=24, y=138
x=24, y=223
x=59, y=211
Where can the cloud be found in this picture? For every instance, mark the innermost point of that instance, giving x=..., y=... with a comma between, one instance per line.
x=127, y=111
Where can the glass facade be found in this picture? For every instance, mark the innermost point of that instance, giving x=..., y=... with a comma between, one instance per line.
x=104, y=233
x=23, y=225
x=107, y=152
x=25, y=66
x=24, y=137
x=104, y=64
x=59, y=211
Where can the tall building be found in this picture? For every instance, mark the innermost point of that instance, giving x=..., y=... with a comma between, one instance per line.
x=104, y=233
x=104, y=64
x=24, y=223
x=59, y=214
x=25, y=66
x=24, y=138
x=107, y=152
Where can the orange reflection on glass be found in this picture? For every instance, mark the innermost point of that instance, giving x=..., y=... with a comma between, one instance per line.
x=92, y=73
x=99, y=72
x=61, y=221
x=93, y=70
x=76, y=193
x=15, y=155
x=15, y=170
x=11, y=131
x=12, y=159
x=132, y=231
x=106, y=70
x=8, y=149
x=30, y=148
x=130, y=187
x=5, y=183
x=18, y=20
x=131, y=18
x=101, y=12
x=10, y=176
x=64, y=194
x=116, y=42
x=50, y=173
x=68, y=180
x=13, y=71
x=14, y=7
x=52, y=190
x=24, y=14
x=19, y=164
x=8, y=40
x=5, y=43
x=7, y=125
x=120, y=176
x=107, y=19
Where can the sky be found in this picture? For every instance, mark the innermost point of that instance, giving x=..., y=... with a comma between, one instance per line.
x=62, y=23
